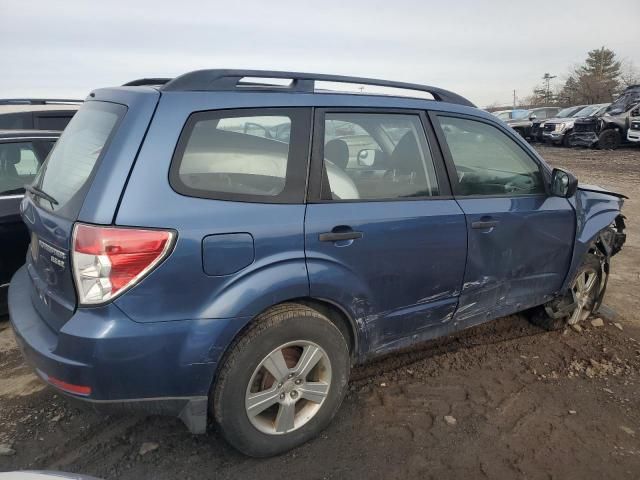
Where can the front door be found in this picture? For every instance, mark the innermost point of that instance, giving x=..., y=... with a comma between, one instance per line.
x=520, y=239
x=383, y=237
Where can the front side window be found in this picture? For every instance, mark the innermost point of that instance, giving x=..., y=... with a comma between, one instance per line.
x=372, y=156
x=19, y=164
x=240, y=155
x=488, y=161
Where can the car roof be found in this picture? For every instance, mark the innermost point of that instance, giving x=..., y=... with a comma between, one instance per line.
x=21, y=134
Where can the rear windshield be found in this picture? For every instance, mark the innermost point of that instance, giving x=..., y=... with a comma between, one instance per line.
x=66, y=172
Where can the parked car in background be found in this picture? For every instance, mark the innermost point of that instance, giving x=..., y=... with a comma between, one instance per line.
x=22, y=152
x=506, y=115
x=195, y=265
x=537, y=126
x=39, y=114
x=633, y=135
x=610, y=129
x=523, y=124
x=558, y=130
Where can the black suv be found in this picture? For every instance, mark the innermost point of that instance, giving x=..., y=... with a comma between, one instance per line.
x=21, y=154
x=39, y=114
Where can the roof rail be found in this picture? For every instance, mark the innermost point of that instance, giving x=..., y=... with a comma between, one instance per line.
x=37, y=101
x=147, y=81
x=229, y=80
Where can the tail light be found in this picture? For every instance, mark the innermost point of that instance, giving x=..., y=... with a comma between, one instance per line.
x=108, y=260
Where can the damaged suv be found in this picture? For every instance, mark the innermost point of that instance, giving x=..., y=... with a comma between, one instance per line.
x=609, y=130
x=232, y=242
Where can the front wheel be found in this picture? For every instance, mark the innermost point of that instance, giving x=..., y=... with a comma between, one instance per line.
x=578, y=302
x=609, y=140
x=282, y=381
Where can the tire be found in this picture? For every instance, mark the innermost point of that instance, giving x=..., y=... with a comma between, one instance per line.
x=609, y=139
x=244, y=382
x=566, y=140
x=562, y=311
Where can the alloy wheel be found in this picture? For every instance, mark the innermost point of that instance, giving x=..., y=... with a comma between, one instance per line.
x=581, y=291
x=288, y=387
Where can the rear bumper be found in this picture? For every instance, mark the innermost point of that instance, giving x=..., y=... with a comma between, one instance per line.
x=103, y=357
x=584, y=139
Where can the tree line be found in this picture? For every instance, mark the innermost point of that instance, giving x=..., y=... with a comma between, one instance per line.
x=599, y=79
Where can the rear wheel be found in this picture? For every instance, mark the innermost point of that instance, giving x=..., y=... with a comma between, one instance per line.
x=578, y=303
x=282, y=381
x=609, y=140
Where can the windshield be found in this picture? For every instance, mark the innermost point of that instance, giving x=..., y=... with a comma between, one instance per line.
x=504, y=115
x=518, y=114
x=587, y=111
x=568, y=112
x=73, y=158
x=625, y=102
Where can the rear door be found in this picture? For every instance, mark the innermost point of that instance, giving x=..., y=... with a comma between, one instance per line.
x=520, y=239
x=383, y=236
x=64, y=180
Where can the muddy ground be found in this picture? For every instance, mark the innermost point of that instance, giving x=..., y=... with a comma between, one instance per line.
x=520, y=402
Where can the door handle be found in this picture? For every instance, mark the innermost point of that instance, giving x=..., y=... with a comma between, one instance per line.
x=483, y=225
x=338, y=236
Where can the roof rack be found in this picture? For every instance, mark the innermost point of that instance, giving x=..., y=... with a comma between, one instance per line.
x=147, y=81
x=230, y=80
x=38, y=101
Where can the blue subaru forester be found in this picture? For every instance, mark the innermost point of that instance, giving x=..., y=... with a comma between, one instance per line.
x=227, y=244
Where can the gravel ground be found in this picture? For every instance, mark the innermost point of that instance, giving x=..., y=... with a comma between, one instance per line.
x=504, y=400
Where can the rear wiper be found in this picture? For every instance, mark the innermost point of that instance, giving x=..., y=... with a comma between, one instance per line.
x=39, y=193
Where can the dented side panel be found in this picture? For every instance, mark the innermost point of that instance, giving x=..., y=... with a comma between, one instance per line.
x=519, y=263
x=401, y=277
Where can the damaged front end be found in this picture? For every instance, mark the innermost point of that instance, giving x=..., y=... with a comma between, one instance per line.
x=585, y=132
x=600, y=234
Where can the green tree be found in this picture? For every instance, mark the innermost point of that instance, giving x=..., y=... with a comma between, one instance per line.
x=597, y=80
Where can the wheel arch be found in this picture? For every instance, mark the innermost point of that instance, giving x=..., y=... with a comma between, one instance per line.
x=335, y=313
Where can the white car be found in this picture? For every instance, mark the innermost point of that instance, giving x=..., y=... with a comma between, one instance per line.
x=633, y=134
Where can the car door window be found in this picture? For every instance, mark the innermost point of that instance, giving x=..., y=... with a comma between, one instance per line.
x=19, y=164
x=245, y=155
x=375, y=156
x=488, y=161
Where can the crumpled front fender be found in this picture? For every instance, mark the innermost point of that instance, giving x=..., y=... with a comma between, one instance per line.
x=595, y=212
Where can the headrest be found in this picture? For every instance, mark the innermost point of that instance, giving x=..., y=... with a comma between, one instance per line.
x=337, y=151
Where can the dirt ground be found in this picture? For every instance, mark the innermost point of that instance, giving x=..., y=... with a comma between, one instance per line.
x=505, y=400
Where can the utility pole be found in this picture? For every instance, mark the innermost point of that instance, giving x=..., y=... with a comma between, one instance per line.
x=547, y=78
x=514, y=99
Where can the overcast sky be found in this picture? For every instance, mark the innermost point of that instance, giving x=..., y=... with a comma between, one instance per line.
x=480, y=49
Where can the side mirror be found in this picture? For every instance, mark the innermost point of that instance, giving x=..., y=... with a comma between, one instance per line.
x=563, y=183
x=366, y=157
x=533, y=116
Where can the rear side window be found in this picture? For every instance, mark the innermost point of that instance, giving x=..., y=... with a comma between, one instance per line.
x=11, y=121
x=246, y=155
x=53, y=122
x=66, y=172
